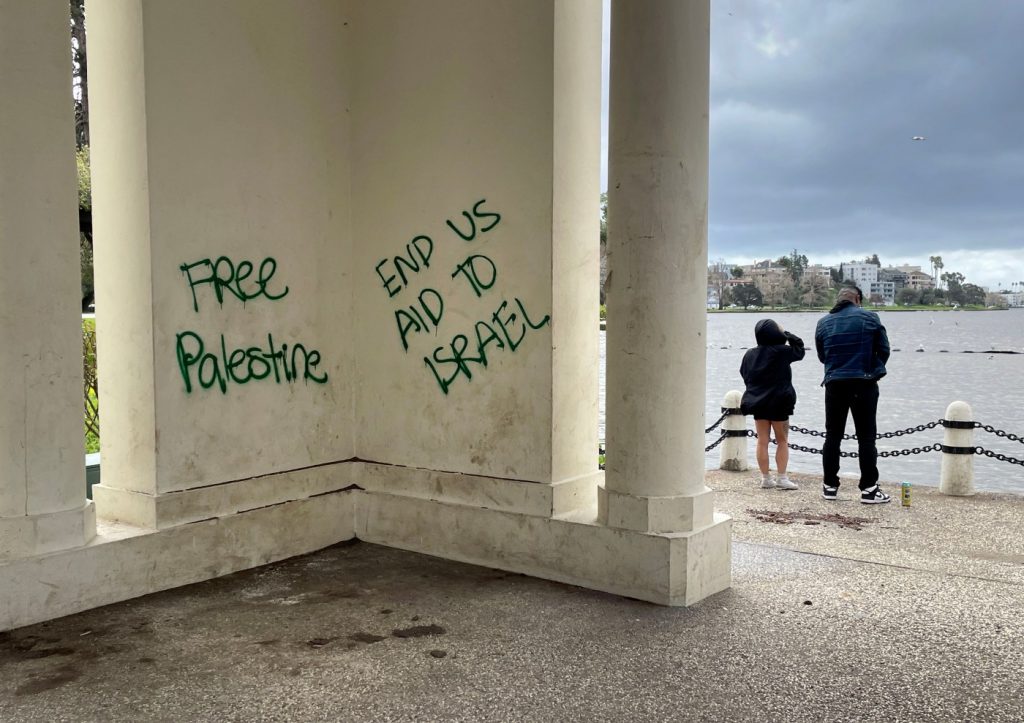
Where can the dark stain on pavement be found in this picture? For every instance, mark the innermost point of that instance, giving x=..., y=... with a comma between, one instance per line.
x=365, y=637
x=779, y=517
x=39, y=684
x=320, y=642
x=418, y=631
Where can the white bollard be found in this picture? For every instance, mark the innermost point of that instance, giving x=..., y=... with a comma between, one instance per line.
x=733, y=453
x=958, y=469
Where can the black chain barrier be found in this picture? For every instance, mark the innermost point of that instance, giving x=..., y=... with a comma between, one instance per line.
x=725, y=413
x=998, y=432
x=937, y=447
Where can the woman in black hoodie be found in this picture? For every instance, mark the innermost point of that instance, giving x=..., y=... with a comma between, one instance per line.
x=770, y=396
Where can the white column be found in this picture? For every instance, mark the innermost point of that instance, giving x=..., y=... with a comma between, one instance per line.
x=42, y=454
x=657, y=231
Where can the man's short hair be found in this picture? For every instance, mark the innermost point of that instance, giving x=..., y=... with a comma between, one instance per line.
x=851, y=293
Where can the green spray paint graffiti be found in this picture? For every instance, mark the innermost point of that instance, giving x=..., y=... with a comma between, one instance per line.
x=477, y=214
x=245, y=364
x=223, y=276
x=239, y=365
x=504, y=329
x=459, y=344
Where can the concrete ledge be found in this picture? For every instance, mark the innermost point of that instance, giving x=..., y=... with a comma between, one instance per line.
x=668, y=569
x=123, y=563
x=40, y=534
x=171, y=509
x=655, y=514
x=508, y=495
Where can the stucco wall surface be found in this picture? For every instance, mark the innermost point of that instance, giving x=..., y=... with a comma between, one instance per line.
x=241, y=244
x=457, y=303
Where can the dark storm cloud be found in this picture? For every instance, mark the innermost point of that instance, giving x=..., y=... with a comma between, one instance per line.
x=814, y=104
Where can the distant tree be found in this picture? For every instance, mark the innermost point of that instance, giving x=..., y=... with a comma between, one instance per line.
x=80, y=94
x=939, y=266
x=79, y=72
x=737, y=272
x=718, y=274
x=836, y=275
x=747, y=295
x=814, y=290
x=873, y=259
x=796, y=265
x=776, y=289
x=908, y=296
x=973, y=294
x=954, y=287
x=876, y=299
x=85, y=230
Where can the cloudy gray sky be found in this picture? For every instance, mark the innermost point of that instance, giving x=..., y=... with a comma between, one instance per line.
x=813, y=106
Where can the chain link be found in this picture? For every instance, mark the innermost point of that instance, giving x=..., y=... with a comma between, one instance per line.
x=997, y=455
x=883, y=435
x=999, y=432
x=888, y=453
x=716, y=442
x=720, y=420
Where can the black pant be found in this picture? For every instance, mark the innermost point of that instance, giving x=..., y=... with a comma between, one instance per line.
x=860, y=397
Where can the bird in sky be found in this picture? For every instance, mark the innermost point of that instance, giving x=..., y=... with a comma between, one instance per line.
x=918, y=138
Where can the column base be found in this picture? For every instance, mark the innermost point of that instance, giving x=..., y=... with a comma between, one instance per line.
x=674, y=569
x=49, y=532
x=680, y=513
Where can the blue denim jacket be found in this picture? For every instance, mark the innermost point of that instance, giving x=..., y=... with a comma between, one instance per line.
x=851, y=343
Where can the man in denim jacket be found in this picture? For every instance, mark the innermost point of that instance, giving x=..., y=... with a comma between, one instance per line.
x=853, y=346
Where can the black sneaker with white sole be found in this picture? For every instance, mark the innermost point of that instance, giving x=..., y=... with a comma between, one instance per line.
x=829, y=493
x=874, y=496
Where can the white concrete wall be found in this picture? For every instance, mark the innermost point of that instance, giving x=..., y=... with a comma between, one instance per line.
x=220, y=130
x=494, y=106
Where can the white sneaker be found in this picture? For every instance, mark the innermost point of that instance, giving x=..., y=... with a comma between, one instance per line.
x=767, y=482
x=785, y=483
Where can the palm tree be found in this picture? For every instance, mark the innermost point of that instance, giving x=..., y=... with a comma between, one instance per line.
x=938, y=268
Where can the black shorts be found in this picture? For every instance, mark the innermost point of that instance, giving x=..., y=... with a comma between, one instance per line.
x=773, y=414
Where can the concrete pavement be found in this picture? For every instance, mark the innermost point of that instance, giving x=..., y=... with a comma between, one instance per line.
x=916, y=615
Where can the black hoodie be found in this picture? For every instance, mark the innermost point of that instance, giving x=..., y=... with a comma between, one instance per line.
x=765, y=371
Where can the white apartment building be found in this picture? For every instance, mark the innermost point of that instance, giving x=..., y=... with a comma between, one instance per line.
x=863, y=275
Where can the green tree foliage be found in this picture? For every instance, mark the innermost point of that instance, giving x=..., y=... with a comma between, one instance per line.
x=85, y=236
x=737, y=272
x=973, y=294
x=747, y=295
x=954, y=287
x=908, y=296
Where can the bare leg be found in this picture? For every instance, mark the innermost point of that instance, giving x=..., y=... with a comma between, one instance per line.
x=781, y=430
x=764, y=428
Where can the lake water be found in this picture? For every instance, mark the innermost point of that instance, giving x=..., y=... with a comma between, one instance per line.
x=918, y=388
